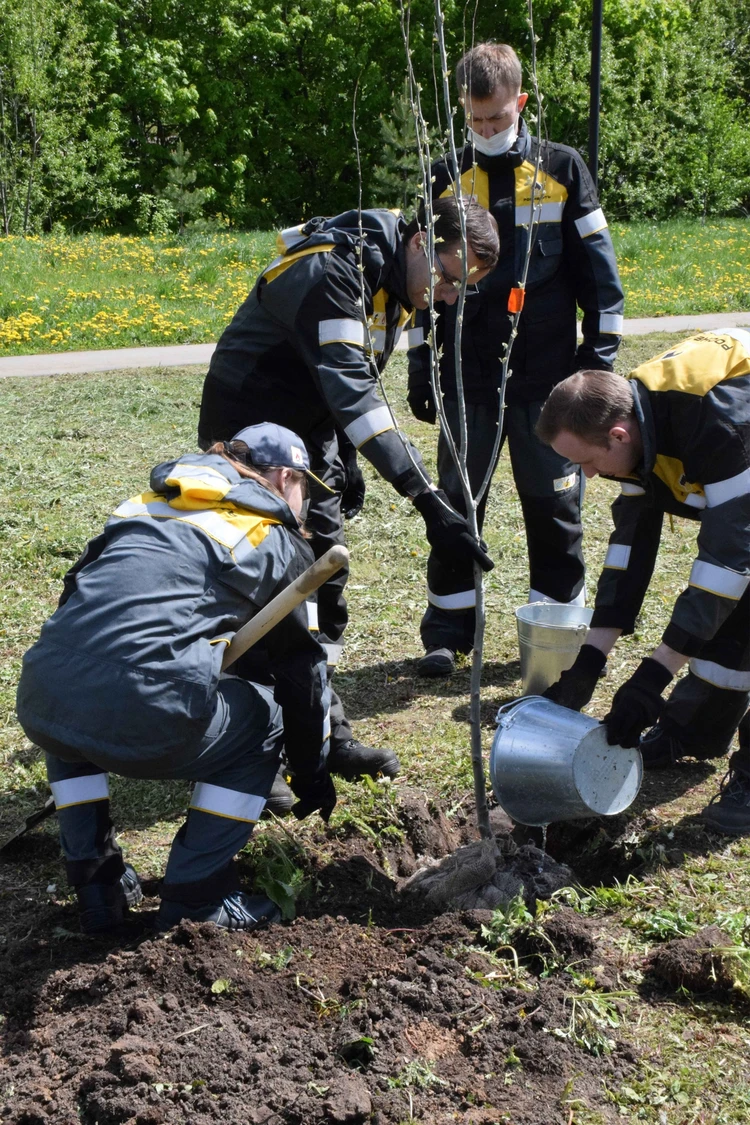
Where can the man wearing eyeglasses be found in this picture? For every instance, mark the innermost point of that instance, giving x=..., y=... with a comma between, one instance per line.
x=304, y=350
x=572, y=265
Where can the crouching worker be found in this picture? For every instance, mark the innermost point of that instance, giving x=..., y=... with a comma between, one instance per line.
x=676, y=434
x=126, y=677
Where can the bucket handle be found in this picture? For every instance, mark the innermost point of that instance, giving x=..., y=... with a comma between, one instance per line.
x=506, y=721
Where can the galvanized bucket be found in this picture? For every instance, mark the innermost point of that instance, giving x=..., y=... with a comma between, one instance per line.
x=549, y=637
x=549, y=763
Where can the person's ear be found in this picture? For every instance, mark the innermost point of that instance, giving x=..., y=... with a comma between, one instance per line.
x=522, y=99
x=620, y=434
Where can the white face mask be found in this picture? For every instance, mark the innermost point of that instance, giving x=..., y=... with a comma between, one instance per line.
x=497, y=145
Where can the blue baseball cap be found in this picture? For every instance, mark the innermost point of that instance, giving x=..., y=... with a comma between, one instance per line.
x=271, y=446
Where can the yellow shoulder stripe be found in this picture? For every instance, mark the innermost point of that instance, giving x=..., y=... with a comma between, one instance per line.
x=475, y=183
x=696, y=365
x=276, y=268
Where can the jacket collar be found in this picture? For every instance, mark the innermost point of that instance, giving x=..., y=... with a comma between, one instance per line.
x=230, y=487
x=645, y=418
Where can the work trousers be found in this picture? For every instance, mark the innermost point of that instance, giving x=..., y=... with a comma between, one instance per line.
x=233, y=767
x=705, y=707
x=550, y=490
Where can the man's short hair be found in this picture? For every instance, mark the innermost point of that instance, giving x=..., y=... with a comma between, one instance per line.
x=487, y=69
x=481, y=228
x=587, y=404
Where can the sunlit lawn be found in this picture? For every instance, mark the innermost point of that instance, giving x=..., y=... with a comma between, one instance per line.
x=67, y=293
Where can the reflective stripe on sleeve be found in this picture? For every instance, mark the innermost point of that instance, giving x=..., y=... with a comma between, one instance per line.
x=229, y=803
x=312, y=616
x=695, y=500
x=415, y=337
x=343, y=331
x=719, y=676
x=722, y=490
x=590, y=224
x=632, y=489
x=464, y=599
x=718, y=580
x=547, y=213
x=290, y=237
x=327, y=725
x=618, y=556
x=538, y=596
x=375, y=421
x=333, y=653
x=80, y=790
x=611, y=324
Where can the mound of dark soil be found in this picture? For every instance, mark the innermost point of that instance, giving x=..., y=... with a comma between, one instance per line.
x=696, y=962
x=318, y=1021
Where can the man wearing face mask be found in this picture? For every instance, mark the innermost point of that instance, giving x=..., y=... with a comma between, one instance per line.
x=572, y=266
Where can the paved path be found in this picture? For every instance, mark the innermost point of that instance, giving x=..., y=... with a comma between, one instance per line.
x=183, y=355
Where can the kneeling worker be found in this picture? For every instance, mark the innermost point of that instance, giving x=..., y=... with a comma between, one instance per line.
x=126, y=677
x=676, y=434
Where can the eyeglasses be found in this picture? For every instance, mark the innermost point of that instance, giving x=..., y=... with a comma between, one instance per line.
x=446, y=278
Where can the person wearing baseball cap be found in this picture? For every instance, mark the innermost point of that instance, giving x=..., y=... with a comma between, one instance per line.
x=126, y=678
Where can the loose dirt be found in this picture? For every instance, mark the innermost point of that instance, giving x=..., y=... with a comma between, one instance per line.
x=366, y=1008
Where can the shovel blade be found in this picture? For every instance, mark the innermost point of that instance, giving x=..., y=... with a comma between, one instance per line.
x=47, y=810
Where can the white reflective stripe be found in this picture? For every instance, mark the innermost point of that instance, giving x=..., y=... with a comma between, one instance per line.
x=201, y=472
x=590, y=224
x=312, y=616
x=538, y=596
x=695, y=500
x=397, y=336
x=718, y=580
x=465, y=599
x=291, y=236
x=80, y=790
x=742, y=335
x=415, y=337
x=343, y=331
x=722, y=490
x=611, y=324
x=208, y=521
x=333, y=653
x=618, y=556
x=218, y=801
x=377, y=336
x=720, y=676
x=547, y=213
x=632, y=489
x=327, y=725
x=373, y=422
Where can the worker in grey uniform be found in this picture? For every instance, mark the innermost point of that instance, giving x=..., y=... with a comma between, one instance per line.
x=305, y=350
x=572, y=265
x=676, y=435
x=126, y=677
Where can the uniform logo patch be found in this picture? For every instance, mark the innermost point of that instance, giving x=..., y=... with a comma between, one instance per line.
x=562, y=484
x=298, y=456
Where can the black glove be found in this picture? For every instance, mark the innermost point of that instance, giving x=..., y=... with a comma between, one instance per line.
x=637, y=704
x=448, y=533
x=314, y=792
x=576, y=685
x=422, y=403
x=353, y=496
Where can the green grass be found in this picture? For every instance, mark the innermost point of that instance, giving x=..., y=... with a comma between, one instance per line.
x=69, y=293
x=73, y=447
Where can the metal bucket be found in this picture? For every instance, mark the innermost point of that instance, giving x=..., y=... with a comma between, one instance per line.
x=549, y=763
x=549, y=637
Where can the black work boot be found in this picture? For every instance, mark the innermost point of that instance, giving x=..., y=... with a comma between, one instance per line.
x=660, y=749
x=103, y=906
x=729, y=810
x=352, y=759
x=280, y=800
x=437, y=661
x=237, y=911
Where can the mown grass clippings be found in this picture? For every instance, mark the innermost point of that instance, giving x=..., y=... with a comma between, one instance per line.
x=73, y=447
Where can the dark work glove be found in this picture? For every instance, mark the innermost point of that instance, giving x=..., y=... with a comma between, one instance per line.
x=314, y=793
x=448, y=533
x=422, y=403
x=637, y=704
x=353, y=496
x=576, y=685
